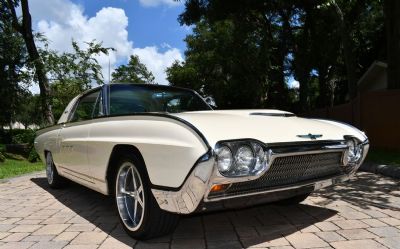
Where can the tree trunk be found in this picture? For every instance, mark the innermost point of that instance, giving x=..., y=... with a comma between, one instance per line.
x=26, y=31
x=302, y=63
x=392, y=21
x=347, y=52
x=323, y=88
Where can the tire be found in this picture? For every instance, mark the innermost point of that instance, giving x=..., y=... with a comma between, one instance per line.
x=53, y=178
x=294, y=200
x=137, y=208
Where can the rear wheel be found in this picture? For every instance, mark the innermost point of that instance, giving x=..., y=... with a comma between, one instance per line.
x=294, y=200
x=53, y=178
x=138, y=210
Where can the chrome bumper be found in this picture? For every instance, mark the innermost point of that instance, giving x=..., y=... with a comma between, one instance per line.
x=197, y=187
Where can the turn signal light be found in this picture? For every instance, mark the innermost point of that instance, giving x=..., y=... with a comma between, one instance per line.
x=220, y=187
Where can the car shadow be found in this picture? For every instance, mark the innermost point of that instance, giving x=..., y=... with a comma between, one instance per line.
x=240, y=228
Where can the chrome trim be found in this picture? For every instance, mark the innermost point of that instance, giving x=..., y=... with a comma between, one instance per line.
x=318, y=184
x=276, y=152
x=310, y=136
x=188, y=198
x=197, y=187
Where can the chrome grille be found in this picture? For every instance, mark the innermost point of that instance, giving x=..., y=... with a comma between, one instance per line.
x=291, y=170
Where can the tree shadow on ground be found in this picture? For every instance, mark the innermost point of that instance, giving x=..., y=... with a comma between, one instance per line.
x=226, y=229
x=364, y=190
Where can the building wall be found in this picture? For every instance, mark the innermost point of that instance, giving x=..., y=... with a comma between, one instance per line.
x=377, y=113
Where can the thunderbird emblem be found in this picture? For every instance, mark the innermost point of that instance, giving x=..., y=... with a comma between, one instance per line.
x=311, y=136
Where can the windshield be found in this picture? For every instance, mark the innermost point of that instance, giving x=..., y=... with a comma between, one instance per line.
x=127, y=99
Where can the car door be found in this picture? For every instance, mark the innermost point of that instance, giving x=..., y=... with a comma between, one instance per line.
x=73, y=138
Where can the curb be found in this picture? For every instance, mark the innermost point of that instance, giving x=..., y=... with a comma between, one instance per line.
x=27, y=175
x=385, y=170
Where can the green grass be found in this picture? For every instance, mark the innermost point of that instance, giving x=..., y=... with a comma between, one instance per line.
x=384, y=157
x=11, y=168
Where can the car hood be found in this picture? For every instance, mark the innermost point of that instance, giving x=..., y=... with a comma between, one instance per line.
x=268, y=126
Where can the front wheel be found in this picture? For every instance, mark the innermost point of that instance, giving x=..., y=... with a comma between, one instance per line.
x=138, y=210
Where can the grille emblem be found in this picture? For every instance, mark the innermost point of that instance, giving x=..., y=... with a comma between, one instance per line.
x=310, y=136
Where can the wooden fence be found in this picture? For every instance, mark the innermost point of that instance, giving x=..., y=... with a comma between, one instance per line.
x=376, y=112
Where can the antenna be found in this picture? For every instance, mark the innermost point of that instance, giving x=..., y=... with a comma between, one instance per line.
x=109, y=70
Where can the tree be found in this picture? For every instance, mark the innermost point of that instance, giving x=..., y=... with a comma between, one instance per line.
x=26, y=111
x=325, y=44
x=392, y=20
x=71, y=73
x=220, y=63
x=133, y=72
x=25, y=29
x=13, y=57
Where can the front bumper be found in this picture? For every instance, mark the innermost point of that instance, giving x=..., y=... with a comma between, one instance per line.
x=194, y=195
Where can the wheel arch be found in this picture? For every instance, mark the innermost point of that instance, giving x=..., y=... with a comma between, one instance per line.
x=118, y=150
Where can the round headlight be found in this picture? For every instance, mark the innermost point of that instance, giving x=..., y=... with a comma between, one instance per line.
x=224, y=158
x=244, y=158
x=352, y=148
x=261, y=158
x=354, y=151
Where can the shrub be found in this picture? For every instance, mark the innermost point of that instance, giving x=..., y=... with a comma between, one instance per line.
x=24, y=137
x=2, y=157
x=33, y=156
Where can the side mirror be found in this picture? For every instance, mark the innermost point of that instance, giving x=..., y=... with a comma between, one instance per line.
x=211, y=102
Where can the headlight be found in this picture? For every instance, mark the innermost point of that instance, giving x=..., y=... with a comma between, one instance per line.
x=241, y=158
x=224, y=159
x=244, y=158
x=354, y=151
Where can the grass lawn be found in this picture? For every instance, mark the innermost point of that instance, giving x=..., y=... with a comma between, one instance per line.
x=12, y=167
x=384, y=157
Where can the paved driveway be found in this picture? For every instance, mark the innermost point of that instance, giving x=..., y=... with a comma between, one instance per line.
x=364, y=213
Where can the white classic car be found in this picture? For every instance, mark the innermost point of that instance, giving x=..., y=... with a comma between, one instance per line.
x=163, y=151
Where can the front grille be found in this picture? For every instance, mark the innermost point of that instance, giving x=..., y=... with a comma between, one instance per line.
x=290, y=170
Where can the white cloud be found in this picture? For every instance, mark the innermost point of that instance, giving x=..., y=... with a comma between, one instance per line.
x=154, y=3
x=109, y=26
x=62, y=21
x=157, y=61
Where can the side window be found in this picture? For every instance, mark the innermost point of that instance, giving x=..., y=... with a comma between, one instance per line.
x=98, y=107
x=86, y=107
x=125, y=99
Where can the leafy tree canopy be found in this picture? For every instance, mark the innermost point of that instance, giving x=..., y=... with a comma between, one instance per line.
x=256, y=46
x=134, y=72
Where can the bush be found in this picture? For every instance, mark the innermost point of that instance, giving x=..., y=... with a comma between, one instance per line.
x=25, y=137
x=5, y=136
x=17, y=136
x=2, y=157
x=33, y=156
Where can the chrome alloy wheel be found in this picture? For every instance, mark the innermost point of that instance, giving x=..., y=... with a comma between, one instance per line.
x=130, y=196
x=49, y=168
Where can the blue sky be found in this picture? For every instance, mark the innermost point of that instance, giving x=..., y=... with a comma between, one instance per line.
x=146, y=28
x=148, y=25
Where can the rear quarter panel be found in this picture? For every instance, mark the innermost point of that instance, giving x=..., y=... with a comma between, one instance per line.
x=47, y=140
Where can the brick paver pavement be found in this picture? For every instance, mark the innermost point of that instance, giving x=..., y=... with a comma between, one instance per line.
x=363, y=213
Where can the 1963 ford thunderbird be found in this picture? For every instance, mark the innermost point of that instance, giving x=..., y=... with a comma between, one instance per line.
x=163, y=151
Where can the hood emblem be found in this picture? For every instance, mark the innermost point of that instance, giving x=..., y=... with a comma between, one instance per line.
x=310, y=136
